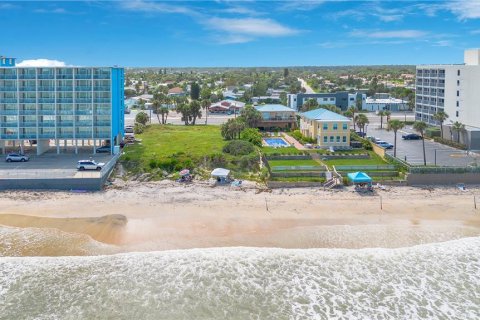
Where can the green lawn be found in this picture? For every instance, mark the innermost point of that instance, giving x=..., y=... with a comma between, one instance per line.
x=307, y=162
x=374, y=160
x=163, y=141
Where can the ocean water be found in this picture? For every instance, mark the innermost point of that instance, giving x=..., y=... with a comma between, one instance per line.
x=430, y=281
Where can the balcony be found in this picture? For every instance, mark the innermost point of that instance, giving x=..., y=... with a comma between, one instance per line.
x=9, y=124
x=46, y=76
x=61, y=135
x=83, y=135
x=46, y=100
x=102, y=124
x=26, y=88
x=65, y=100
x=8, y=88
x=9, y=112
x=64, y=76
x=8, y=76
x=83, y=112
x=101, y=76
x=28, y=124
x=83, y=76
x=65, y=112
x=102, y=135
x=28, y=136
x=46, y=112
x=101, y=88
x=84, y=123
x=28, y=100
x=46, y=124
x=101, y=100
x=46, y=89
x=26, y=76
x=28, y=112
x=9, y=136
x=65, y=88
x=65, y=124
x=103, y=112
x=47, y=135
x=83, y=88
x=83, y=100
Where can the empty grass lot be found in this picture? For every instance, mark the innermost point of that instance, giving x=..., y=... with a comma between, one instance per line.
x=307, y=162
x=374, y=160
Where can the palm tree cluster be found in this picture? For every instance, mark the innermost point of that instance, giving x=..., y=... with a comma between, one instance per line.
x=395, y=125
x=361, y=121
x=384, y=113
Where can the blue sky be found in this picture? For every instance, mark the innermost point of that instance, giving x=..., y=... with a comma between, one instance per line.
x=239, y=33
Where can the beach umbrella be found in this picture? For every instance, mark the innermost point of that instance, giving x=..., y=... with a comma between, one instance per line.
x=184, y=172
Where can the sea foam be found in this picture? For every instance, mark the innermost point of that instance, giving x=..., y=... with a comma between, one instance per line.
x=432, y=281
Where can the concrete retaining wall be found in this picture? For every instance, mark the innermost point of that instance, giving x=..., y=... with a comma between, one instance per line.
x=284, y=184
x=442, y=178
x=298, y=174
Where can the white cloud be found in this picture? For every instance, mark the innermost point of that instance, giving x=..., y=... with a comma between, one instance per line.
x=250, y=27
x=41, y=63
x=150, y=6
x=443, y=43
x=303, y=5
x=465, y=9
x=391, y=34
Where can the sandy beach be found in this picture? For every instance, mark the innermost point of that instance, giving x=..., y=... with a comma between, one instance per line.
x=166, y=215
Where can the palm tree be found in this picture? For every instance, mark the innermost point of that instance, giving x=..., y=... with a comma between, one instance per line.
x=352, y=110
x=205, y=105
x=361, y=120
x=156, y=105
x=420, y=127
x=381, y=113
x=395, y=125
x=440, y=116
x=458, y=127
x=388, y=114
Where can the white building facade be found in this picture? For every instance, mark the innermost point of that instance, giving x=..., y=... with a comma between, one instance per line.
x=455, y=90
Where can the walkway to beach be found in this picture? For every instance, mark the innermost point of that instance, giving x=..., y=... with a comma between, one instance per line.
x=293, y=142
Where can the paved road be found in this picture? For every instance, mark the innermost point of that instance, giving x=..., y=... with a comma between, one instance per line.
x=305, y=85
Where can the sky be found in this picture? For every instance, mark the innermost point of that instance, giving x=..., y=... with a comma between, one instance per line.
x=141, y=33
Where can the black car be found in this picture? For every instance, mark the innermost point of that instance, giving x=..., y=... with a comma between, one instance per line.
x=103, y=149
x=361, y=134
x=411, y=136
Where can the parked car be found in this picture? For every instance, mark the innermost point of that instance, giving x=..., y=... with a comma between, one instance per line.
x=103, y=149
x=385, y=145
x=127, y=110
x=361, y=134
x=16, y=157
x=129, y=129
x=89, y=165
x=411, y=136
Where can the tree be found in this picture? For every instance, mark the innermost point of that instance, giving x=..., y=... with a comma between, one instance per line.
x=206, y=93
x=250, y=116
x=361, y=121
x=458, y=127
x=156, y=105
x=440, y=116
x=359, y=102
x=205, y=105
x=352, y=110
x=164, y=113
x=395, y=125
x=184, y=110
x=231, y=129
x=252, y=135
x=195, y=111
x=388, y=114
x=381, y=114
x=141, y=118
x=308, y=105
x=420, y=127
x=194, y=91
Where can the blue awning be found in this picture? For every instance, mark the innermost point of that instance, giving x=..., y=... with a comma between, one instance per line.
x=359, y=177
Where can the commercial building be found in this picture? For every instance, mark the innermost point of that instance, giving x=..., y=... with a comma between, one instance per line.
x=276, y=116
x=61, y=106
x=226, y=106
x=341, y=99
x=328, y=128
x=389, y=103
x=454, y=90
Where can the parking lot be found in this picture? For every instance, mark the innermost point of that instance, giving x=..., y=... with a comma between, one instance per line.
x=50, y=164
x=436, y=153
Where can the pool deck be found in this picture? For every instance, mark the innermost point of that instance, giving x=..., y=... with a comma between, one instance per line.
x=293, y=142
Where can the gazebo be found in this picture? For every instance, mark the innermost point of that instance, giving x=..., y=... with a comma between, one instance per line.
x=221, y=175
x=360, y=180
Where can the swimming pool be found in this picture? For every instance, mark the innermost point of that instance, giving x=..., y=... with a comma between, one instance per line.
x=276, y=142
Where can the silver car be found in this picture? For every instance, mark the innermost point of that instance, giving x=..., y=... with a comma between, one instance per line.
x=16, y=157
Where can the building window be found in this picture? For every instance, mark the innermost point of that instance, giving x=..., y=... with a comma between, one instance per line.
x=332, y=138
x=332, y=99
x=335, y=126
x=344, y=139
x=338, y=138
x=345, y=126
x=325, y=139
x=325, y=99
x=458, y=82
x=458, y=93
x=458, y=104
x=456, y=113
x=325, y=126
x=458, y=72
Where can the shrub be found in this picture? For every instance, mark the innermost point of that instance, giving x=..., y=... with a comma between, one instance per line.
x=450, y=143
x=238, y=148
x=432, y=132
x=252, y=135
x=297, y=134
x=366, y=145
x=138, y=128
x=152, y=164
x=249, y=162
x=142, y=118
x=217, y=160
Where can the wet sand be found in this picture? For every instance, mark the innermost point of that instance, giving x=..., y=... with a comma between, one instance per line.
x=166, y=215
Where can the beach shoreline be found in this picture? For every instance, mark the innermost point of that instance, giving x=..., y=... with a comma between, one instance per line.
x=166, y=215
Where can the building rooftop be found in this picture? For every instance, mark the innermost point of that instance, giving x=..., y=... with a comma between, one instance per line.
x=273, y=108
x=389, y=100
x=324, y=114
